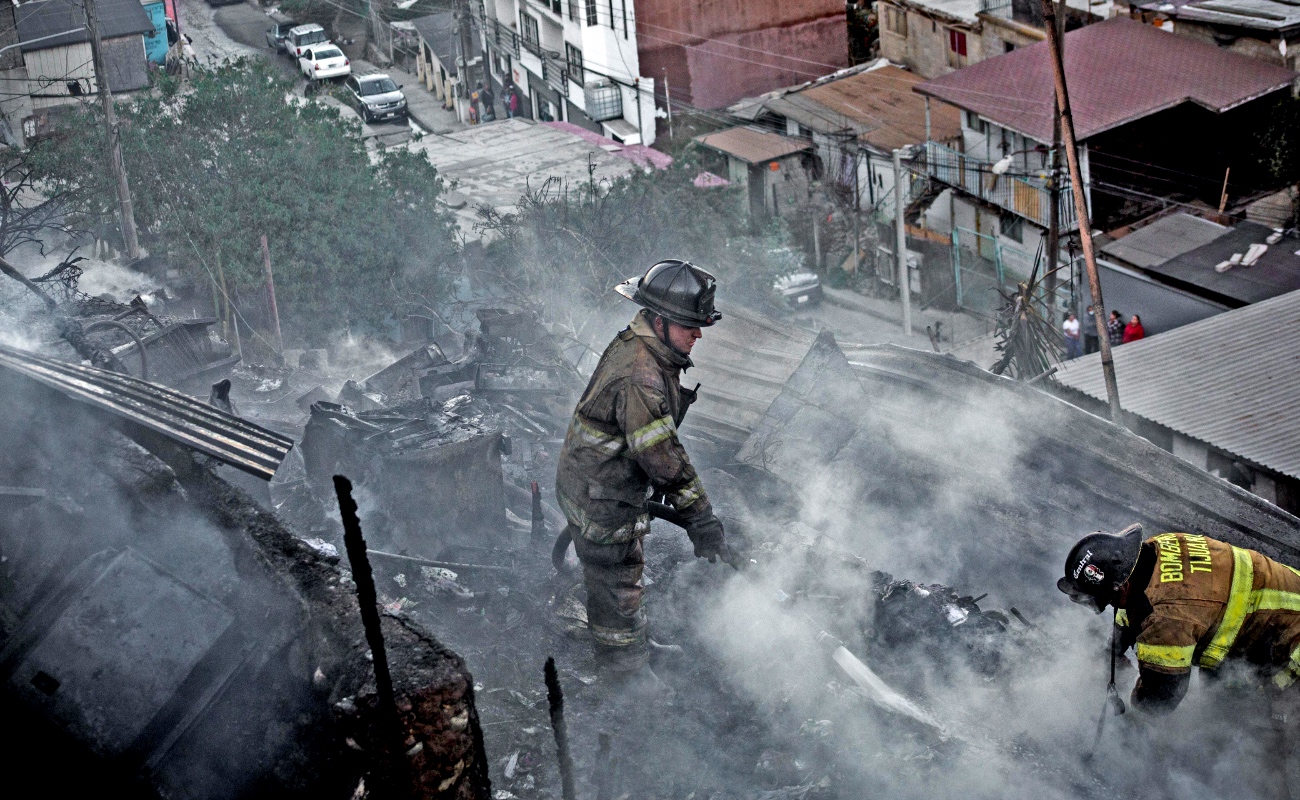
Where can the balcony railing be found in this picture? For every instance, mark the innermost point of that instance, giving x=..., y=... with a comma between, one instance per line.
x=1017, y=195
x=505, y=38
x=995, y=6
x=554, y=74
x=533, y=47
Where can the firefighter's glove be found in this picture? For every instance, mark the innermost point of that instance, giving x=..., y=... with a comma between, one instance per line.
x=709, y=540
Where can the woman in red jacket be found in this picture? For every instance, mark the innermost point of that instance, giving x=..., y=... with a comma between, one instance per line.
x=1133, y=330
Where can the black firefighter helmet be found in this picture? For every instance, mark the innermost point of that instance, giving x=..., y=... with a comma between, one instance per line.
x=1099, y=565
x=675, y=290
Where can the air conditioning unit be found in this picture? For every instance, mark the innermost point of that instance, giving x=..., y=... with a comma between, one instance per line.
x=604, y=100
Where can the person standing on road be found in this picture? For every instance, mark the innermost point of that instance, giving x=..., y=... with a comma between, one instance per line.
x=1091, y=341
x=488, y=101
x=622, y=446
x=1070, y=328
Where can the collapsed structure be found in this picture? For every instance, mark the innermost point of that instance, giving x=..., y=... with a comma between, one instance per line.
x=905, y=508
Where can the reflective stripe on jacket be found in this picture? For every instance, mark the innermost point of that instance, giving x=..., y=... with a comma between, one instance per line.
x=1210, y=600
x=622, y=441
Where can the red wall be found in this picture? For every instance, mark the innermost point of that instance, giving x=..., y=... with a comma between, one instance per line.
x=716, y=52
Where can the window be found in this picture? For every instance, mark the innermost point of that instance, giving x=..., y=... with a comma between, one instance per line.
x=573, y=56
x=974, y=122
x=956, y=48
x=557, y=8
x=591, y=12
x=528, y=25
x=1012, y=227
x=573, y=10
x=896, y=20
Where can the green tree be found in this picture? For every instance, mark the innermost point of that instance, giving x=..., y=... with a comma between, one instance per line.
x=236, y=155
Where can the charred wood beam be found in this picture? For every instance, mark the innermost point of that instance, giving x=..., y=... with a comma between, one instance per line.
x=555, y=699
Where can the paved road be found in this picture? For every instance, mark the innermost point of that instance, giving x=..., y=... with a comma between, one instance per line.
x=240, y=30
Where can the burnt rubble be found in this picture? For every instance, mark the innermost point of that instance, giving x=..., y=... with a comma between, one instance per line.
x=870, y=519
x=161, y=635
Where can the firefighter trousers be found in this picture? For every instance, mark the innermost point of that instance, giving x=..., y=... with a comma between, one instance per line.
x=615, y=617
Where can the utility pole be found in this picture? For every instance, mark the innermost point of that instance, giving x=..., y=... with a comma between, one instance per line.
x=114, y=142
x=668, y=101
x=466, y=31
x=1054, y=193
x=900, y=243
x=1081, y=209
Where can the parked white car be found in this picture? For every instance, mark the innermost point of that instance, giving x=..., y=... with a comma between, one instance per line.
x=324, y=61
x=303, y=37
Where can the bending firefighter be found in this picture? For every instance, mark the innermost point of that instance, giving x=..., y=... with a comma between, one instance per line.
x=622, y=448
x=1182, y=599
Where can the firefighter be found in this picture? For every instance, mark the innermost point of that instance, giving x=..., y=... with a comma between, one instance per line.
x=622, y=448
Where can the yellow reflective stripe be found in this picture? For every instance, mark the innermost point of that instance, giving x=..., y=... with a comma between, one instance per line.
x=1274, y=600
x=1165, y=655
x=1121, y=617
x=644, y=438
x=1236, y=610
x=598, y=439
x=683, y=498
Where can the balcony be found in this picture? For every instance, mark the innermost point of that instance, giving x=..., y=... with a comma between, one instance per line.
x=505, y=39
x=1001, y=8
x=554, y=74
x=1026, y=198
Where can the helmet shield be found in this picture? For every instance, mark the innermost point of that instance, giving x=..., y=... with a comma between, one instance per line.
x=675, y=290
x=1099, y=565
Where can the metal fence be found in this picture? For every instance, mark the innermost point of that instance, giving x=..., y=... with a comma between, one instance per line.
x=1015, y=194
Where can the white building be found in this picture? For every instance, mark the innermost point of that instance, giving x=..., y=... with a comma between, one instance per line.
x=570, y=60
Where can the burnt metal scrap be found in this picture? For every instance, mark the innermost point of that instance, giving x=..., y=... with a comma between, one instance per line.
x=182, y=419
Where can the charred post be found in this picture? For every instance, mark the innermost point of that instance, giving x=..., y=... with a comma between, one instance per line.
x=555, y=700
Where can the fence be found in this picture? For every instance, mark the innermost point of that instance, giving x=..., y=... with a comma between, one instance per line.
x=1029, y=200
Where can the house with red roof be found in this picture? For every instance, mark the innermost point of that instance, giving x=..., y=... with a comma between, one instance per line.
x=1160, y=119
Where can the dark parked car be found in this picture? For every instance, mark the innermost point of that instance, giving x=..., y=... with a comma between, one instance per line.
x=277, y=33
x=376, y=97
x=800, y=289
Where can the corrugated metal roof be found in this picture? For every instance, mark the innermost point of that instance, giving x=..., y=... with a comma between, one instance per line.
x=48, y=17
x=182, y=419
x=1118, y=71
x=742, y=363
x=1164, y=239
x=879, y=105
x=1275, y=273
x=1268, y=15
x=1231, y=381
x=752, y=145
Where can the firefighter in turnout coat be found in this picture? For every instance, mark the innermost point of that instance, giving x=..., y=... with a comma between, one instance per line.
x=622, y=449
x=1182, y=600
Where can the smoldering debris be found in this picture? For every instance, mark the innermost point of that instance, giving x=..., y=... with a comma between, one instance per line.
x=161, y=636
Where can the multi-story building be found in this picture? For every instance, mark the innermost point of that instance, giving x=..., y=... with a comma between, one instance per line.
x=570, y=60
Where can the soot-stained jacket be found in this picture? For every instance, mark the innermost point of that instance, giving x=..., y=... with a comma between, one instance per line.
x=622, y=441
x=1196, y=600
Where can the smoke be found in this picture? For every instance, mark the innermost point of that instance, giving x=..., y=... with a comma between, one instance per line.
x=925, y=487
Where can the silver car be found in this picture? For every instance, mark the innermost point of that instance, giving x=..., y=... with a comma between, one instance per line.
x=376, y=97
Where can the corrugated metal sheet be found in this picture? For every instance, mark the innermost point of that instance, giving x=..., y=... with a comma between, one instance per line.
x=742, y=363
x=1231, y=381
x=182, y=419
x=1118, y=71
x=1163, y=239
x=751, y=145
x=887, y=113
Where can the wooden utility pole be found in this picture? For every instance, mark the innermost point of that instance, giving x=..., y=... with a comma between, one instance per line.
x=668, y=101
x=114, y=142
x=1054, y=214
x=1081, y=207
